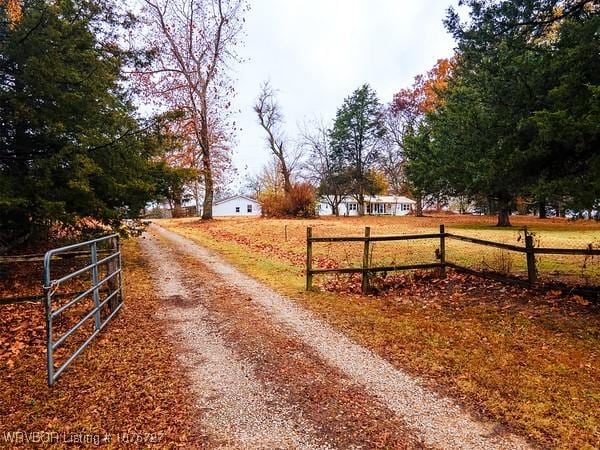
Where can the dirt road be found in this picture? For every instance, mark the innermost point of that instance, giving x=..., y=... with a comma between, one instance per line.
x=268, y=374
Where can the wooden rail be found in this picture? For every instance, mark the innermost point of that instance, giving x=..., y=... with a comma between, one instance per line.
x=528, y=249
x=501, y=245
x=401, y=237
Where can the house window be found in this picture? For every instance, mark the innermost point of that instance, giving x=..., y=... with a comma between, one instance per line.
x=352, y=206
x=249, y=208
x=405, y=207
x=237, y=209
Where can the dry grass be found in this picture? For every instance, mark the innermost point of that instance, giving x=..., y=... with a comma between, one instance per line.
x=529, y=361
x=271, y=234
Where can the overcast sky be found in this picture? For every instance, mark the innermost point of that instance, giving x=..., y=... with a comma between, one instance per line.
x=316, y=52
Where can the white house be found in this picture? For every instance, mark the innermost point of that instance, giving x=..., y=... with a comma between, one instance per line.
x=238, y=205
x=387, y=205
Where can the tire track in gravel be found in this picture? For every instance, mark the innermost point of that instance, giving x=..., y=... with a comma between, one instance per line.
x=436, y=420
x=239, y=411
x=339, y=410
x=318, y=404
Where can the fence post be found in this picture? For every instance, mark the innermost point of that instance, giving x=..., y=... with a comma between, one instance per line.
x=365, y=264
x=443, y=250
x=121, y=293
x=531, y=270
x=48, y=311
x=114, y=282
x=96, y=291
x=309, y=274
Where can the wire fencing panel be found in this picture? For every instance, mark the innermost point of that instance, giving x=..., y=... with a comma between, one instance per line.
x=582, y=269
x=523, y=261
x=527, y=258
x=80, y=301
x=362, y=261
x=503, y=258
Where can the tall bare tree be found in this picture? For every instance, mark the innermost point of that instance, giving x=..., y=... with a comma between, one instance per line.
x=391, y=161
x=270, y=118
x=268, y=179
x=194, y=42
x=322, y=168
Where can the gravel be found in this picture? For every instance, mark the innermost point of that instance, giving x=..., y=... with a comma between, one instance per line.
x=437, y=420
x=239, y=411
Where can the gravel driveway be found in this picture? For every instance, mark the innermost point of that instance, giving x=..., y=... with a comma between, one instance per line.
x=268, y=374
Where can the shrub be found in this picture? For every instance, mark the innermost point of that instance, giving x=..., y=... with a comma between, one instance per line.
x=272, y=203
x=300, y=202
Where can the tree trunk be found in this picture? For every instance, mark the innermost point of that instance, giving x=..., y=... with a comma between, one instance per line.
x=205, y=148
x=197, y=195
x=561, y=209
x=419, y=205
x=287, y=184
x=176, y=211
x=542, y=209
x=504, y=214
x=361, y=204
x=490, y=206
x=208, y=197
x=208, y=186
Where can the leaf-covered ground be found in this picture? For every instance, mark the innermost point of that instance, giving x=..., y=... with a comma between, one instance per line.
x=126, y=387
x=528, y=360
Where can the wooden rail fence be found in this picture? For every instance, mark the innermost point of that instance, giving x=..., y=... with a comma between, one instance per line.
x=442, y=262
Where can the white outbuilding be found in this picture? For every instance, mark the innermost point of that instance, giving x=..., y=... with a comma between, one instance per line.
x=375, y=205
x=238, y=205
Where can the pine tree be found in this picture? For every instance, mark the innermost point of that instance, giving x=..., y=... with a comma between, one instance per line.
x=356, y=139
x=70, y=145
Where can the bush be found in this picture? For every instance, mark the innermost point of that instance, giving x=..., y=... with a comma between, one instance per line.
x=272, y=203
x=300, y=202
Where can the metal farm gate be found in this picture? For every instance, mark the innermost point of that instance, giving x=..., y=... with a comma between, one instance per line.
x=98, y=298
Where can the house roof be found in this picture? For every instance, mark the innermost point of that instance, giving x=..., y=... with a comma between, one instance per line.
x=233, y=197
x=381, y=199
x=389, y=199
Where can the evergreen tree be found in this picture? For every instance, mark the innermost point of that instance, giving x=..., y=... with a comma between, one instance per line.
x=70, y=145
x=356, y=138
x=520, y=113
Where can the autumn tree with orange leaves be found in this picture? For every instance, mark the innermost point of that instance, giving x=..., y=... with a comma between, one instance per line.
x=13, y=10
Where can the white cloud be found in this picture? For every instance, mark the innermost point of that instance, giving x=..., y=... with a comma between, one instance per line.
x=316, y=52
